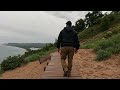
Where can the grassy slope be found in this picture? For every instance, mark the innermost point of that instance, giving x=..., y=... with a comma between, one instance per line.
x=104, y=43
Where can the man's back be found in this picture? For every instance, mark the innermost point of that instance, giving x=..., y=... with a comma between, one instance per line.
x=68, y=37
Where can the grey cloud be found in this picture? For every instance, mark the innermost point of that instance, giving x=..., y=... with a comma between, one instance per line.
x=68, y=15
x=19, y=31
x=31, y=26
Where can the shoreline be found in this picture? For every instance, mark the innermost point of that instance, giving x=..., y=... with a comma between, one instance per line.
x=13, y=53
x=13, y=46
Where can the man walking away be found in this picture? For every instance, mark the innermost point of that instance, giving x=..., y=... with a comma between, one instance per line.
x=68, y=45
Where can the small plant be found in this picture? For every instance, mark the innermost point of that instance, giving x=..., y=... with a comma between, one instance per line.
x=102, y=54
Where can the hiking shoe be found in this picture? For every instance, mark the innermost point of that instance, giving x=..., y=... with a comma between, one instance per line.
x=65, y=73
x=68, y=73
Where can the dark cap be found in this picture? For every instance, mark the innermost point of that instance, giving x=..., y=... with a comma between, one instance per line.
x=69, y=23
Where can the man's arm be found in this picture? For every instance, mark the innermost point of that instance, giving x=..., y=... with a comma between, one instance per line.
x=77, y=43
x=59, y=41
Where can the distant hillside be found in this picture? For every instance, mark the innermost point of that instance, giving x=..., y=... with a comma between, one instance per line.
x=26, y=45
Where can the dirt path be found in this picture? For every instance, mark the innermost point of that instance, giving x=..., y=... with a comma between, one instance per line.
x=87, y=67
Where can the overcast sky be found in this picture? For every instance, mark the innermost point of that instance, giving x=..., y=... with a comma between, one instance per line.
x=34, y=26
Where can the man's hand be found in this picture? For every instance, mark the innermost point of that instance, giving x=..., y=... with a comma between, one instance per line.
x=75, y=50
x=58, y=50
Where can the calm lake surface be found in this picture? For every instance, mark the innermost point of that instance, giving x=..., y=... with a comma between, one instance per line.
x=6, y=51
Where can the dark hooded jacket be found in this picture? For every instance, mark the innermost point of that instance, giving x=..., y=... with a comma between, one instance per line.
x=68, y=37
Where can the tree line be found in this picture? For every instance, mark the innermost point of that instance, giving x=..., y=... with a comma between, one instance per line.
x=91, y=18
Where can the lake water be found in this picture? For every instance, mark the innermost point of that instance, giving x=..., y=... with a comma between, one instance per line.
x=34, y=48
x=6, y=51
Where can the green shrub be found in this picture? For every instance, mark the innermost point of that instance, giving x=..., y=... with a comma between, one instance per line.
x=111, y=17
x=102, y=54
x=108, y=47
x=32, y=58
x=105, y=24
x=11, y=63
x=116, y=49
x=101, y=46
x=38, y=55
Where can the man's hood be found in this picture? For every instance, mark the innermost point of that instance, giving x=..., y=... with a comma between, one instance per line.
x=68, y=29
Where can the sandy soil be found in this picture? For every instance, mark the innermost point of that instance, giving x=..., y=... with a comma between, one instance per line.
x=32, y=70
x=89, y=68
